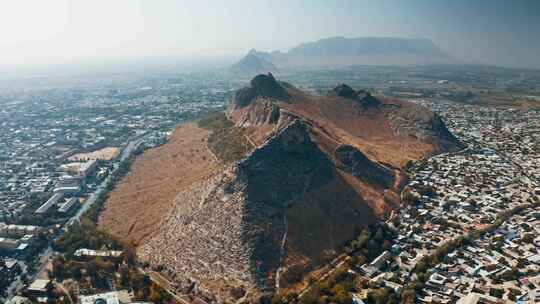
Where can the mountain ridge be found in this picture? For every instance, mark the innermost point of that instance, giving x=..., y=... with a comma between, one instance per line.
x=340, y=51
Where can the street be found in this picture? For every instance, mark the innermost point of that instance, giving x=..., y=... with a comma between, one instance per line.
x=17, y=285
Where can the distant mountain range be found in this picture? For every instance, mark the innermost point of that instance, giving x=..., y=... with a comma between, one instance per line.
x=341, y=51
x=254, y=63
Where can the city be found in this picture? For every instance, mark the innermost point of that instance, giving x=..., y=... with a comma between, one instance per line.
x=270, y=152
x=484, y=198
x=480, y=204
x=63, y=148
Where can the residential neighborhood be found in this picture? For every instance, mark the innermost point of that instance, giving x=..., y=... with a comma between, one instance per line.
x=61, y=151
x=471, y=219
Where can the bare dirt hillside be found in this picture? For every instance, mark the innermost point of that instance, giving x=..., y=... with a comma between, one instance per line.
x=136, y=207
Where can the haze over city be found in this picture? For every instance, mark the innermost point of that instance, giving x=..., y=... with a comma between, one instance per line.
x=94, y=33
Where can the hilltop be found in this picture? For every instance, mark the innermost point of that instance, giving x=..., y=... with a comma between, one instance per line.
x=297, y=176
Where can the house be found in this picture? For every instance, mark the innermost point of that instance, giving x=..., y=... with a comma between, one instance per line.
x=49, y=203
x=112, y=297
x=102, y=298
x=83, y=252
x=379, y=261
x=476, y=298
x=68, y=205
x=357, y=298
x=39, y=286
x=87, y=168
x=19, y=300
x=8, y=244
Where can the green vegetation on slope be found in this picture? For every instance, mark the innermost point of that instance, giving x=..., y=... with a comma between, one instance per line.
x=339, y=285
x=98, y=274
x=226, y=141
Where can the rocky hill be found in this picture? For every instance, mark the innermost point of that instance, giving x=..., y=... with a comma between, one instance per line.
x=314, y=172
x=252, y=64
x=341, y=51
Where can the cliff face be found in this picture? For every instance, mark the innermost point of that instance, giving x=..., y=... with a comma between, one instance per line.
x=323, y=168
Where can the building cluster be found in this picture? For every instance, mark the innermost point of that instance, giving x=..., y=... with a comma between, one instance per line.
x=471, y=219
x=16, y=238
x=60, y=146
x=41, y=129
x=39, y=289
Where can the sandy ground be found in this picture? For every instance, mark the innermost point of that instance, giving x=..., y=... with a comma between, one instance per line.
x=104, y=154
x=141, y=201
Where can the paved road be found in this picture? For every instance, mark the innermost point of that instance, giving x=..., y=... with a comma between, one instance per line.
x=126, y=153
x=45, y=255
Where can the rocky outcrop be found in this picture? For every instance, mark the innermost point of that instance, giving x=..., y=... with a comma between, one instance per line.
x=420, y=123
x=344, y=91
x=289, y=164
x=369, y=101
x=252, y=64
x=262, y=112
x=364, y=98
x=284, y=169
x=261, y=86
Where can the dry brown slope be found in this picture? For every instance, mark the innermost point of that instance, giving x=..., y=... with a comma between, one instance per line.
x=138, y=204
x=372, y=130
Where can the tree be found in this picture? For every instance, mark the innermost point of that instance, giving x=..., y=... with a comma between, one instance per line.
x=408, y=198
x=408, y=296
x=380, y=296
x=58, y=270
x=421, y=266
x=498, y=293
x=342, y=297
x=76, y=272
x=528, y=238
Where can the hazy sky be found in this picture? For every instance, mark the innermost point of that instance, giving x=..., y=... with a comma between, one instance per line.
x=75, y=31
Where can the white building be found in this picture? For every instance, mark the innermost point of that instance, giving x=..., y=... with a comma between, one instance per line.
x=113, y=297
x=49, y=203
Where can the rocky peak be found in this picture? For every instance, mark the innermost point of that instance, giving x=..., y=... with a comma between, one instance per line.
x=260, y=86
x=343, y=90
x=266, y=85
x=369, y=101
x=252, y=64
